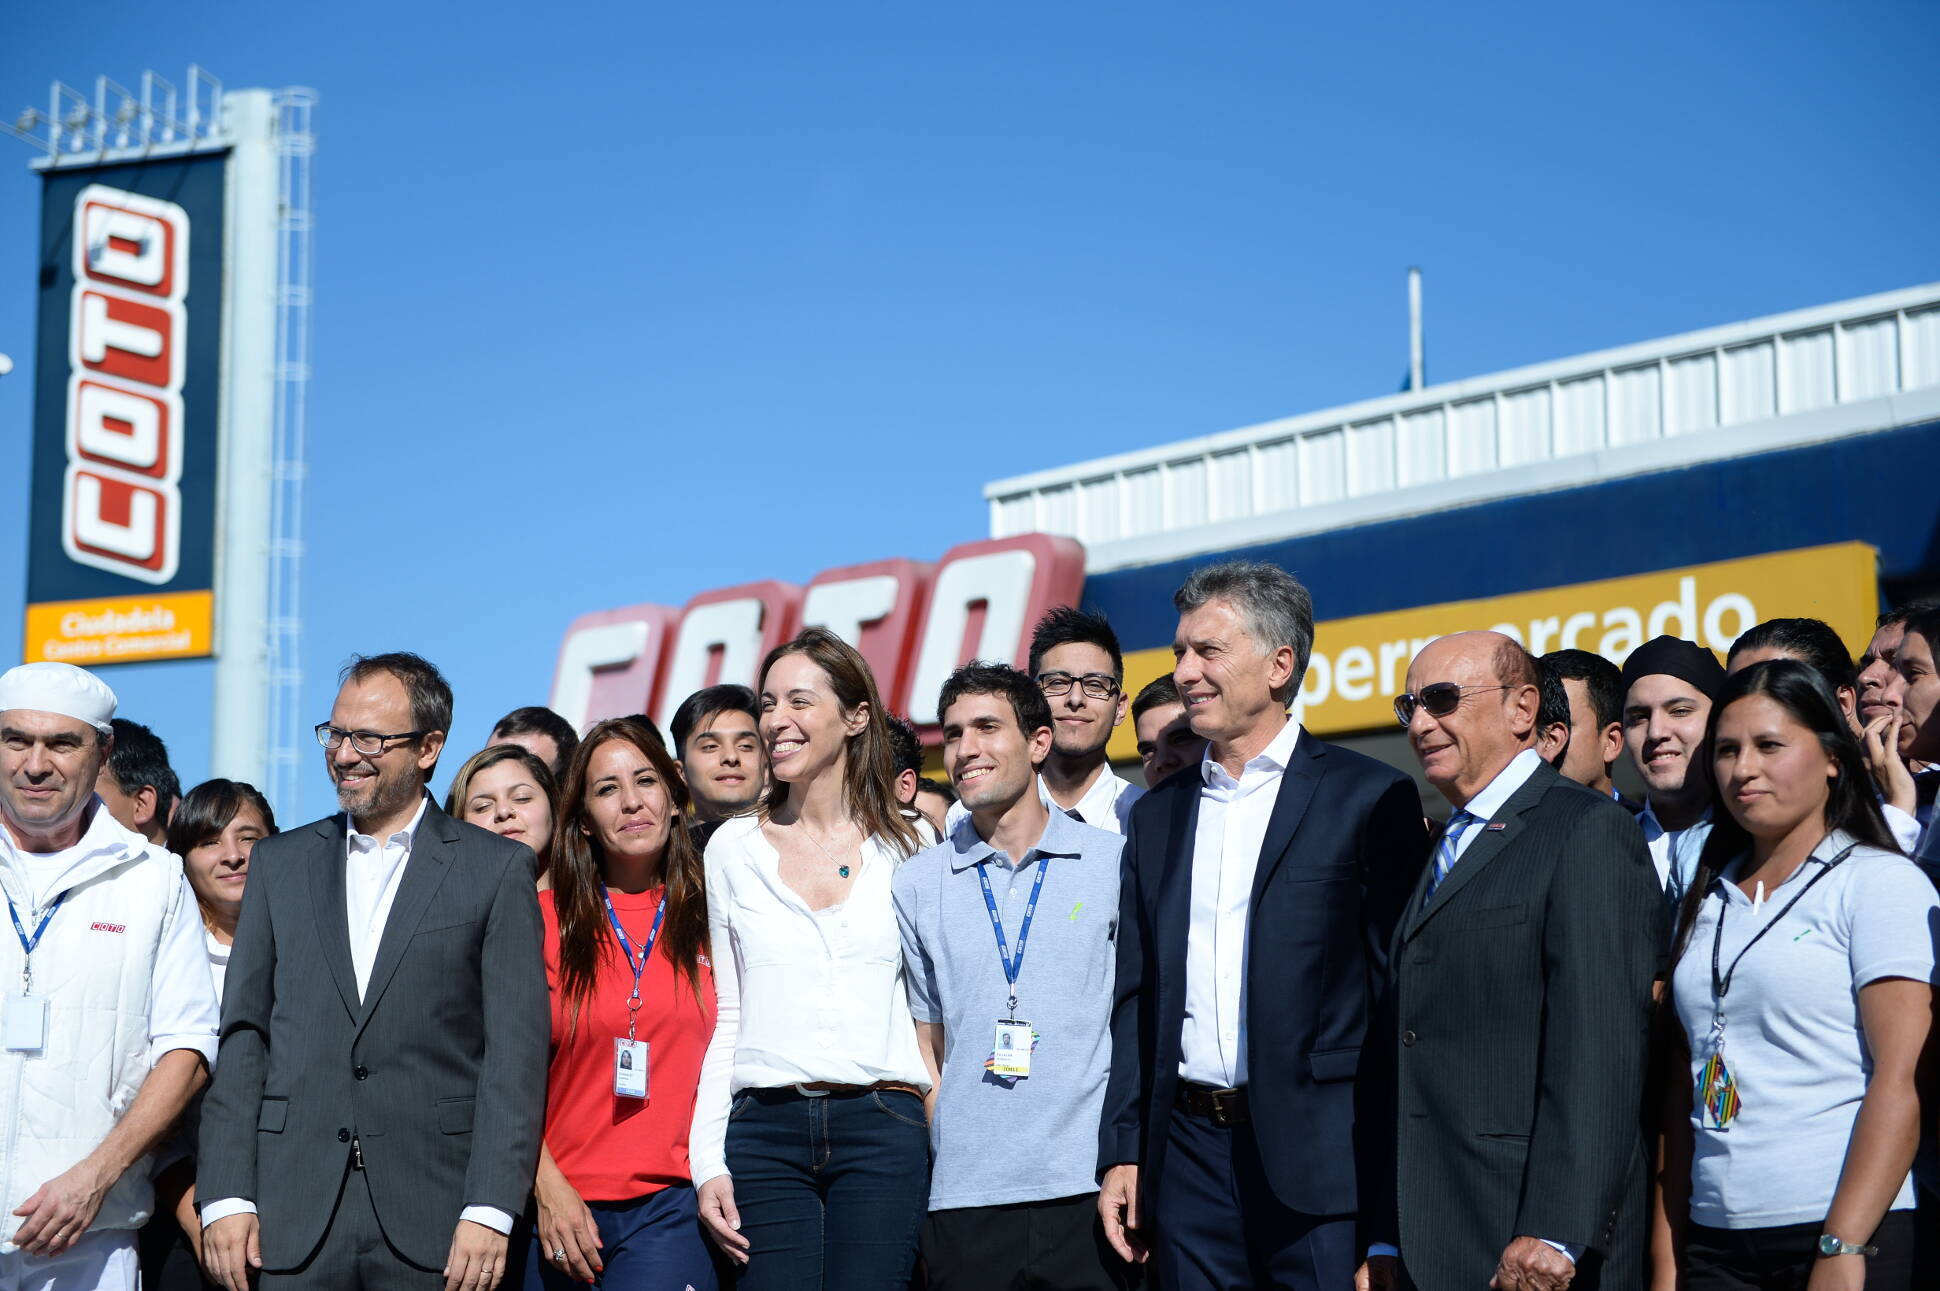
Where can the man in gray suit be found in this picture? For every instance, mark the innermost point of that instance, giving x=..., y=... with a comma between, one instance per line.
x=1522, y=989
x=375, y=1117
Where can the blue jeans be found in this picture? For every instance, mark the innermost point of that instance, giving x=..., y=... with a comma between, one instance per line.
x=832, y=1188
x=653, y=1243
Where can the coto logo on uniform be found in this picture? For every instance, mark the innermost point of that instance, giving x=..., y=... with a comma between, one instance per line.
x=914, y=622
x=98, y=926
x=121, y=506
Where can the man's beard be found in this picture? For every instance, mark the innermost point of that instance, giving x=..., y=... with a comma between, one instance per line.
x=379, y=798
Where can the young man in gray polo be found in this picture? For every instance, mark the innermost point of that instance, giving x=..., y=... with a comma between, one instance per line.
x=1011, y=966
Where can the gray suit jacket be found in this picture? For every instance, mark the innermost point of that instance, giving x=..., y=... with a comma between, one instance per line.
x=439, y=1071
x=1518, y=1027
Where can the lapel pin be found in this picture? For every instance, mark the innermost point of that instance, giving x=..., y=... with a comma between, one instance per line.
x=1495, y=827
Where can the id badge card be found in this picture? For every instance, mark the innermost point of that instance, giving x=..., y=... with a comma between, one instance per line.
x=23, y=1024
x=1717, y=1094
x=629, y=1068
x=1011, y=1056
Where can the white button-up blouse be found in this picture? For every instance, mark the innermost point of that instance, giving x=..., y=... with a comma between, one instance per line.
x=804, y=996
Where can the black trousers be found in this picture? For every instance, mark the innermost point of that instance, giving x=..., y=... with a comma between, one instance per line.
x=1781, y=1258
x=1029, y=1246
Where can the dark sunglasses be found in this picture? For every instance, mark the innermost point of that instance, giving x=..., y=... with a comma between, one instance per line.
x=1440, y=699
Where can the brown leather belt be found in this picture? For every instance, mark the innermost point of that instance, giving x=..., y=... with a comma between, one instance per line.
x=1223, y=1107
x=822, y=1088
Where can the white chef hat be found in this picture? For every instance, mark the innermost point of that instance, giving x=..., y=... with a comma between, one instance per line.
x=59, y=688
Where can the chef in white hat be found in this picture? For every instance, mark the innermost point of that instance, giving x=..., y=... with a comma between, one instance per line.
x=107, y=1010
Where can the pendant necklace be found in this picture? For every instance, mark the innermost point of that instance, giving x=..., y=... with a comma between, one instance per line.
x=841, y=870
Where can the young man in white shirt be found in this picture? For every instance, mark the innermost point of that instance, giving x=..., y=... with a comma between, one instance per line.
x=1667, y=686
x=1076, y=662
x=101, y=917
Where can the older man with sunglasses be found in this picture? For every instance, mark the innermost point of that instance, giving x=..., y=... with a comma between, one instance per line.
x=1522, y=975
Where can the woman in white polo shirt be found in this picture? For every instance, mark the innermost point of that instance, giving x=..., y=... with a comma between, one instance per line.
x=1802, y=985
x=809, y=1148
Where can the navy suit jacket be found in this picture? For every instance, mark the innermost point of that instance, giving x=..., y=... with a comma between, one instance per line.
x=1342, y=851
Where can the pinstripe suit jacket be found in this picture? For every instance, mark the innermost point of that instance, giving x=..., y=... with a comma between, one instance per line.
x=1519, y=1021
x=439, y=1070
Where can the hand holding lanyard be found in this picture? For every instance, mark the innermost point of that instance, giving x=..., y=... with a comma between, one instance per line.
x=1011, y=1055
x=23, y=1021
x=629, y=1054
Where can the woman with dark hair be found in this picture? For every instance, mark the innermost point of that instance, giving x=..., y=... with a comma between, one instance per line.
x=810, y=1144
x=509, y=790
x=632, y=1010
x=213, y=830
x=1801, y=984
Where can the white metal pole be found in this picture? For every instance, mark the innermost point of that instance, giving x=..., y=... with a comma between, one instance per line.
x=239, y=738
x=1417, y=365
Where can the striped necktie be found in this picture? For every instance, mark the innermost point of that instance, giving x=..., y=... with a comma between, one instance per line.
x=1445, y=850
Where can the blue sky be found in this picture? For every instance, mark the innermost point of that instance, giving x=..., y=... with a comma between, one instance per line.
x=623, y=303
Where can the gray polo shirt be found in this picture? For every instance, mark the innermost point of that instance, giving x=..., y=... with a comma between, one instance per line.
x=997, y=1141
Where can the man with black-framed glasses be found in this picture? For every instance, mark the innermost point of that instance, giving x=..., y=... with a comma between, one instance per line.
x=375, y=1118
x=1076, y=662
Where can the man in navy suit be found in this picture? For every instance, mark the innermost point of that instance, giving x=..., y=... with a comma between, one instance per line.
x=1258, y=900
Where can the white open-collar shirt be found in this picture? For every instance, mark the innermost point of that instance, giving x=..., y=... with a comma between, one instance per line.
x=1233, y=816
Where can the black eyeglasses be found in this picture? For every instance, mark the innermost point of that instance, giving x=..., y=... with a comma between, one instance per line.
x=1440, y=699
x=1096, y=685
x=368, y=743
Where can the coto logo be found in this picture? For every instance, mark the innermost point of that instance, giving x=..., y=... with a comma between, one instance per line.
x=121, y=505
x=914, y=622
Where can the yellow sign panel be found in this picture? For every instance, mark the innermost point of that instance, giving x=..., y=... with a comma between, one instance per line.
x=1360, y=664
x=121, y=629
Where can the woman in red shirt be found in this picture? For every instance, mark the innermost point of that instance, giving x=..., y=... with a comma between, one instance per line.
x=632, y=1011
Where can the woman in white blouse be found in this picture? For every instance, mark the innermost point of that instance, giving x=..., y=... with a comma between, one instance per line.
x=809, y=1144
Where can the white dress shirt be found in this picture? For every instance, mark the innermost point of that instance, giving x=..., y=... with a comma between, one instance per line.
x=804, y=996
x=1674, y=852
x=1485, y=805
x=1107, y=805
x=1233, y=816
x=372, y=872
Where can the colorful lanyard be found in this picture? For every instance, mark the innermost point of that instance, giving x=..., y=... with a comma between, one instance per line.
x=27, y=943
x=1012, y=966
x=639, y=965
x=1721, y=981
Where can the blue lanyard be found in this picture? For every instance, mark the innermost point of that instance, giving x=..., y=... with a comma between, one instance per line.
x=27, y=943
x=639, y=965
x=1012, y=965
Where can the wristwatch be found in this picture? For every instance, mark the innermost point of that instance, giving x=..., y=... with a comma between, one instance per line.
x=1830, y=1245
